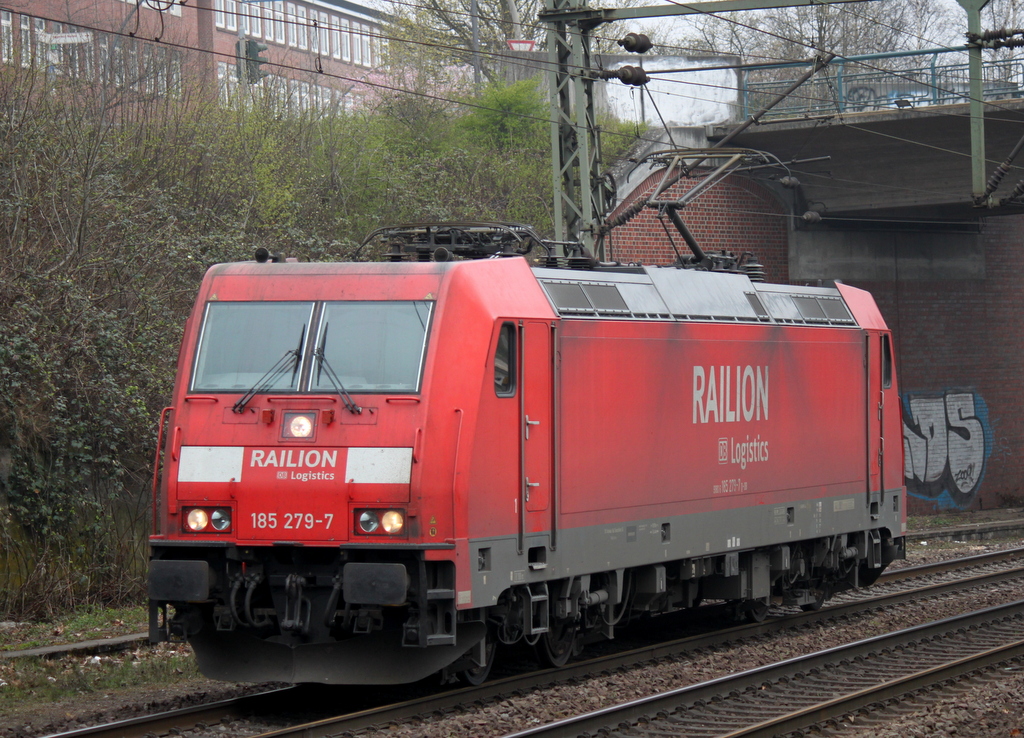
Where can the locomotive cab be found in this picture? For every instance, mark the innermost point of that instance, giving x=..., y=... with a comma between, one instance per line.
x=306, y=500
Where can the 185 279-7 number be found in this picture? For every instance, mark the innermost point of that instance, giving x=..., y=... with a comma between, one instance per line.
x=291, y=520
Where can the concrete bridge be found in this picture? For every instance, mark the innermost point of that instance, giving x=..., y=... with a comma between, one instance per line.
x=903, y=164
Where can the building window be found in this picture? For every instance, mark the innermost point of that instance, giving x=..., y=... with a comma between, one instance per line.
x=346, y=45
x=26, y=41
x=357, y=45
x=335, y=37
x=158, y=72
x=42, y=50
x=268, y=20
x=230, y=11
x=366, y=46
x=303, y=27
x=292, y=35
x=253, y=13
x=325, y=38
x=314, y=32
x=218, y=13
x=227, y=83
x=324, y=31
x=279, y=21
x=103, y=57
x=6, y=36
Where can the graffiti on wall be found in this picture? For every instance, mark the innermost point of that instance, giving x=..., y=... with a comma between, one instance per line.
x=947, y=441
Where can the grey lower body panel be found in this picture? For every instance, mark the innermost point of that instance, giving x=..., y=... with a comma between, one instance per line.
x=658, y=540
x=376, y=658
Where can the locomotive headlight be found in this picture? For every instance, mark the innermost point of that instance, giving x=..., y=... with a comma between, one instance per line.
x=197, y=519
x=299, y=425
x=207, y=520
x=392, y=521
x=221, y=519
x=380, y=522
x=368, y=521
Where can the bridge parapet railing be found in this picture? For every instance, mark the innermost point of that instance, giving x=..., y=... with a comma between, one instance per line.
x=877, y=82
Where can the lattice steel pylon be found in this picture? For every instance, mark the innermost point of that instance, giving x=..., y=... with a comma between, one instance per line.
x=579, y=200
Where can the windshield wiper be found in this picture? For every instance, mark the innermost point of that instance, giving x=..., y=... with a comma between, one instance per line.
x=323, y=364
x=291, y=357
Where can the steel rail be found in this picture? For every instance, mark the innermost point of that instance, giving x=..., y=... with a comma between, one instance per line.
x=587, y=669
x=185, y=718
x=883, y=692
x=939, y=567
x=610, y=718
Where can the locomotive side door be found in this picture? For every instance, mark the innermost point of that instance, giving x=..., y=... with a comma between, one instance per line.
x=536, y=381
x=879, y=366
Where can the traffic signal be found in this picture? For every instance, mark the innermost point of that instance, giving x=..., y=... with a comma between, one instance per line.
x=248, y=61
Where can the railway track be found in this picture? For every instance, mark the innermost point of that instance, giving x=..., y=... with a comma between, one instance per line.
x=1001, y=562
x=792, y=695
x=586, y=669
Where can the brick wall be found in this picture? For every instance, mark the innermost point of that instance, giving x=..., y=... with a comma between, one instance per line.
x=960, y=348
x=736, y=215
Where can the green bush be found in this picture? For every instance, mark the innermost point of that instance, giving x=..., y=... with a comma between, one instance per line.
x=110, y=213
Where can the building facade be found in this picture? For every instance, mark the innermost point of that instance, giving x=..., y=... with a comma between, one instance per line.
x=315, y=53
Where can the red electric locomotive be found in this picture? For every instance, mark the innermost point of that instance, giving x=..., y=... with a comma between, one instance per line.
x=371, y=472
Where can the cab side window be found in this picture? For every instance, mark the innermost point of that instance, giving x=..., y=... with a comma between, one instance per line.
x=505, y=362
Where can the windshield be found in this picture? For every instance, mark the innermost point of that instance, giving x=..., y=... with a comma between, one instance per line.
x=241, y=341
x=372, y=346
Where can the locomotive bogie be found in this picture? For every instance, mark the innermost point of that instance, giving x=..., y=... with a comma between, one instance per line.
x=373, y=472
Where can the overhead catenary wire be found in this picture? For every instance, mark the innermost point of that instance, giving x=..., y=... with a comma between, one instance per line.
x=363, y=81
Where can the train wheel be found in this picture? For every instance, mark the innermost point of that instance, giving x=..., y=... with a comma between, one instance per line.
x=556, y=646
x=478, y=674
x=756, y=610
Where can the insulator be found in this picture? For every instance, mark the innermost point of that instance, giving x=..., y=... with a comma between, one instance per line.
x=636, y=43
x=790, y=182
x=396, y=250
x=754, y=270
x=632, y=76
x=812, y=217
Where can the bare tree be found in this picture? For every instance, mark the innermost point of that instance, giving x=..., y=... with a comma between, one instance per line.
x=789, y=34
